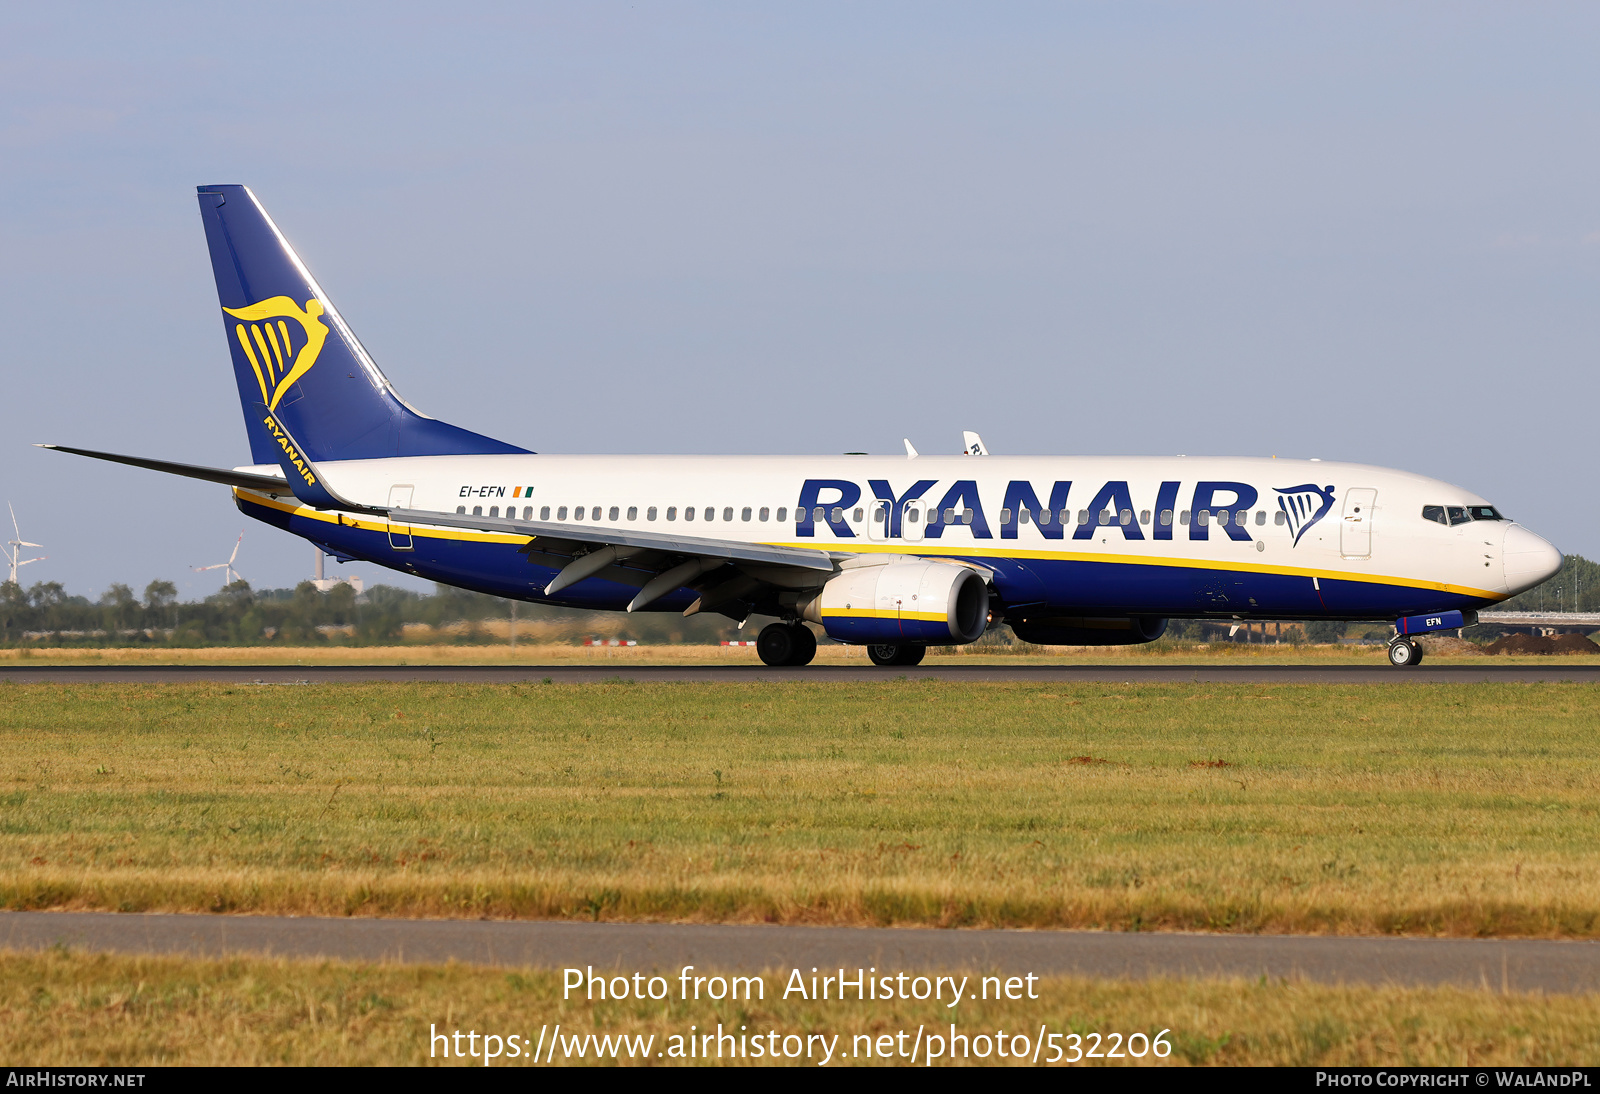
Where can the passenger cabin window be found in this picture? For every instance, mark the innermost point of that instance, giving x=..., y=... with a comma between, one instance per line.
x=816, y=514
x=879, y=515
x=1144, y=516
x=837, y=515
x=1125, y=517
x=856, y=516
x=544, y=513
x=1005, y=516
x=672, y=512
x=1280, y=518
x=1183, y=517
x=911, y=515
x=711, y=513
x=783, y=511
x=1166, y=518
x=1023, y=516
x=633, y=512
x=650, y=513
x=561, y=513
x=1261, y=517
x=1083, y=516
x=462, y=509
x=613, y=514
x=727, y=513
x=1203, y=517
x=966, y=516
x=744, y=514
x=494, y=510
x=477, y=510
x=765, y=513
x=688, y=512
x=577, y=514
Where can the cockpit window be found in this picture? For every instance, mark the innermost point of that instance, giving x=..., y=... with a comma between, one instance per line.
x=1460, y=514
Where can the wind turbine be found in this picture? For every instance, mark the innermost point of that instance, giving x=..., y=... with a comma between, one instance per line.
x=229, y=572
x=16, y=546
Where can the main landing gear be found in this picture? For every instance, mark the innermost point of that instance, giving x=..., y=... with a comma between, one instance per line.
x=1404, y=653
x=905, y=656
x=781, y=644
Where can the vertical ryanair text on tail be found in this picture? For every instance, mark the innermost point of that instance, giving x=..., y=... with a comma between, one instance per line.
x=894, y=553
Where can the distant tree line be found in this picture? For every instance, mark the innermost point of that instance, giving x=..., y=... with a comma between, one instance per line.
x=237, y=615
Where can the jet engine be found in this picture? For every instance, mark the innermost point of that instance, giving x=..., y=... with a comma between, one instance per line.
x=910, y=601
x=1089, y=631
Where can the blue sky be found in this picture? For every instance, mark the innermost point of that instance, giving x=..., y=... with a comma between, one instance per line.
x=1354, y=231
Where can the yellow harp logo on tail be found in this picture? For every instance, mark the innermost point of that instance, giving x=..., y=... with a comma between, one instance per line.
x=270, y=342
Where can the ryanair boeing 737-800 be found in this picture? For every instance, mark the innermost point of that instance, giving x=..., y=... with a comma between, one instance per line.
x=894, y=553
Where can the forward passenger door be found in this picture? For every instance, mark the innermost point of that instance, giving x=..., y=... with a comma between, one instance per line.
x=1355, y=530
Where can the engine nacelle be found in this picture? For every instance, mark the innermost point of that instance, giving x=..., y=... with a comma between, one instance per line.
x=911, y=601
x=1081, y=631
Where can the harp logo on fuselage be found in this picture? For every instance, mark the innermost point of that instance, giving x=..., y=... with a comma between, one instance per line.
x=279, y=353
x=1304, y=506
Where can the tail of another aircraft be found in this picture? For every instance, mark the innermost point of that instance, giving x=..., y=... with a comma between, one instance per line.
x=295, y=358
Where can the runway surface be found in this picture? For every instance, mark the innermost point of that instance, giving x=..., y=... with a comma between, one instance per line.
x=1516, y=965
x=606, y=672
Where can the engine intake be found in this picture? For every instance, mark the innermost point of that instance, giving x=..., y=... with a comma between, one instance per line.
x=1085, y=631
x=913, y=601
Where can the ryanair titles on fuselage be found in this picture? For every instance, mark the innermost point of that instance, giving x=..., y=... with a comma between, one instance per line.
x=1229, y=505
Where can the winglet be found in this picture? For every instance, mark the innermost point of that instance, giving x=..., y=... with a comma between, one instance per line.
x=972, y=444
x=911, y=453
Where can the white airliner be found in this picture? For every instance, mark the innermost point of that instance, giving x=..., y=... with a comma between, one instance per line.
x=894, y=553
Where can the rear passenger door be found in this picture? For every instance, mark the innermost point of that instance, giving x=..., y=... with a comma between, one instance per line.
x=400, y=534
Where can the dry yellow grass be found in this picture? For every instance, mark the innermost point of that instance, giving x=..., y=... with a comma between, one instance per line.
x=65, y=1008
x=535, y=654
x=1455, y=810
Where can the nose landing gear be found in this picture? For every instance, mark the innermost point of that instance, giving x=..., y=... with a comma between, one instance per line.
x=1404, y=653
x=786, y=644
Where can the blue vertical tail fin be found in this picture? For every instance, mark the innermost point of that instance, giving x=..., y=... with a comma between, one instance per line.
x=294, y=354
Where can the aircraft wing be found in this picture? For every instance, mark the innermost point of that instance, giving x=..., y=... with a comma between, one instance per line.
x=556, y=535
x=724, y=572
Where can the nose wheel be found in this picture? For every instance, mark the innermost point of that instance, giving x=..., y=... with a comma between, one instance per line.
x=1404, y=653
x=786, y=644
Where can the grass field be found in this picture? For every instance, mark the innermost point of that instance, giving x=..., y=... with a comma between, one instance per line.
x=1450, y=810
x=528, y=653
x=64, y=1008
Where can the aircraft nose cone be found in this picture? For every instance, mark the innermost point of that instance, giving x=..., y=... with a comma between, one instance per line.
x=1529, y=559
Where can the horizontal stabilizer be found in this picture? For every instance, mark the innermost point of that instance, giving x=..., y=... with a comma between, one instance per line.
x=187, y=470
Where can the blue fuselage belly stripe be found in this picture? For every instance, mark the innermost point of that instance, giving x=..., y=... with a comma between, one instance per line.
x=1068, y=586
